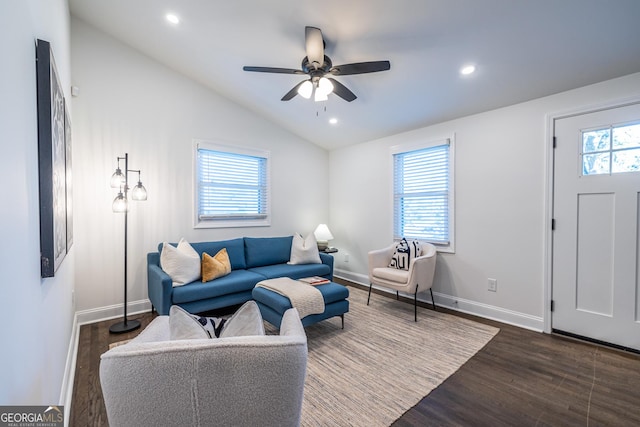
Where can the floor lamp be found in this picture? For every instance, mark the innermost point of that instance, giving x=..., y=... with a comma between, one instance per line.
x=121, y=205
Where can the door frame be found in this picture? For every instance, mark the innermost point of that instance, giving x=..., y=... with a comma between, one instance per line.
x=550, y=121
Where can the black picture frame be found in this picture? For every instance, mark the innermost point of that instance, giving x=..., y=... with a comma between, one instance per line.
x=68, y=177
x=51, y=161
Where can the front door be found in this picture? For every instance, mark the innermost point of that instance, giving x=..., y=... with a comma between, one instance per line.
x=596, y=205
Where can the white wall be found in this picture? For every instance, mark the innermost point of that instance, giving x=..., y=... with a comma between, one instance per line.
x=130, y=103
x=37, y=314
x=499, y=197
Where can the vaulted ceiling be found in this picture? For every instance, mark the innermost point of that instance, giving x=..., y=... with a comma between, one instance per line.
x=522, y=50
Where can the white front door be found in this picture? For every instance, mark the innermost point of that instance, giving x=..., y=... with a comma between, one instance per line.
x=596, y=205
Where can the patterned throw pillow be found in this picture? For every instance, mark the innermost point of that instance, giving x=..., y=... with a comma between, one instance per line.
x=213, y=325
x=405, y=252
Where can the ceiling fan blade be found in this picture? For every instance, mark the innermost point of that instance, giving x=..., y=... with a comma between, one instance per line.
x=314, y=45
x=342, y=91
x=360, y=68
x=293, y=92
x=273, y=70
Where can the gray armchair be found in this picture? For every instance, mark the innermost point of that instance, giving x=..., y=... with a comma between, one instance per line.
x=418, y=277
x=236, y=381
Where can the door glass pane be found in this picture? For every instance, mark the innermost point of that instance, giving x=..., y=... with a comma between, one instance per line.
x=595, y=140
x=626, y=161
x=593, y=164
x=626, y=136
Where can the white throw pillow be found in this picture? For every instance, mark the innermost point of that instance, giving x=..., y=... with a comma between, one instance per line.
x=304, y=251
x=182, y=325
x=244, y=322
x=182, y=264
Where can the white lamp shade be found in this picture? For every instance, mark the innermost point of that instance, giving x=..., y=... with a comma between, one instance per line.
x=325, y=85
x=117, y=179
x=322, y=233
x=139, y=192
x=305, y=89
x=320, y=96
x=120, y=204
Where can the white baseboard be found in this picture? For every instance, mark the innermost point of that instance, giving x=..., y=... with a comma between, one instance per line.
x=66, y=391
x=112, y=311
x=462, y=305
x=82, y=318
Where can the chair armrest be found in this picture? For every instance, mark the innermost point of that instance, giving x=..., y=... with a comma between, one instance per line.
x=159, y=285
x=422, y=270
x=380, y=258
x=328, y=260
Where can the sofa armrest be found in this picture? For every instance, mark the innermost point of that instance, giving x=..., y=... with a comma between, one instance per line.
x=328, y=260
x=159, y=285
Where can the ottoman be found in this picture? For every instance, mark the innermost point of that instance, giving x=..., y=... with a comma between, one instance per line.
x=273, y=305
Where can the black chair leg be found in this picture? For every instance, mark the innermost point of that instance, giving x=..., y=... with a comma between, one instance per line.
x=415, y=305
x=342, y=316
x=432, y=300
x=369, y=297
x=397, y=295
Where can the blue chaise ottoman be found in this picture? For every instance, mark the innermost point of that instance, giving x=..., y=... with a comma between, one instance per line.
x=273, y=305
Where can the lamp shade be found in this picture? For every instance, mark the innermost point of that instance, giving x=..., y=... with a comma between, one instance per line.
x=322, y=233
x=305, y=89
x=117, y=179
x=325, y=85
x=120, y=204
x=139, y=192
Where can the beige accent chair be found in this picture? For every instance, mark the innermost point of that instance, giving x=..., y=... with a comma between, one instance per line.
x=235, y=381
x=418, y=277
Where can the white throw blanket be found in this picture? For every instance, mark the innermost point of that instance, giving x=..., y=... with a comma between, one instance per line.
x=305, y=298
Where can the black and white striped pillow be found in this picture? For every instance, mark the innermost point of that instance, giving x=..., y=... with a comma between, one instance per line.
x=405, y=252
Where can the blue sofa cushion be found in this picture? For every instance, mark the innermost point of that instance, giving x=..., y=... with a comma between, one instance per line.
x=296, y=271
x=235, y=250
x=260, y=251
x=236, y=281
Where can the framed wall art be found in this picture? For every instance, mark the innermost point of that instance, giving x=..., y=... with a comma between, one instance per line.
x=68, y=177
x=51, y=162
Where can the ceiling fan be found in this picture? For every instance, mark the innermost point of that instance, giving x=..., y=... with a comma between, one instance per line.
x=320, y=70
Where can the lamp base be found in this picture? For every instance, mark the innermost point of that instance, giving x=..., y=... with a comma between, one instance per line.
x=124, y=326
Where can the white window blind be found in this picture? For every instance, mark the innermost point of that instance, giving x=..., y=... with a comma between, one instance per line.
x=231, y=186
x=422, y=194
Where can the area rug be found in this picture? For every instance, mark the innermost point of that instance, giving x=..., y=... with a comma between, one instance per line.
x=382, y=363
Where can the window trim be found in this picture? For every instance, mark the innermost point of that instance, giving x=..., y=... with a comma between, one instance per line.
x=229, y=222
x=419, y=145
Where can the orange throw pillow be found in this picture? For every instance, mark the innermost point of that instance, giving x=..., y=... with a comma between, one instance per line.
x=216, y=266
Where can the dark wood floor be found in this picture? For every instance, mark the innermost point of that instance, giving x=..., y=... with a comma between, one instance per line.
x=521, y=378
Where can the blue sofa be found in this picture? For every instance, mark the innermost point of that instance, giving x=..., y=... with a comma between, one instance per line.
x=253, y=259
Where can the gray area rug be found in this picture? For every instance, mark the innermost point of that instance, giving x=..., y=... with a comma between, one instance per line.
x=382, y=363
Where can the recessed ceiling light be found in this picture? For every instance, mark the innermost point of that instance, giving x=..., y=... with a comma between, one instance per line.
x=333, y=120
x=467, y=69
x=172, y=18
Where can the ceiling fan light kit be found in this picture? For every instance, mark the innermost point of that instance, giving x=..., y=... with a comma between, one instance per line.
x=319, y=68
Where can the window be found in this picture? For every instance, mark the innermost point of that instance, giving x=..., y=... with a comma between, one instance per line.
x=423, y=193
x=613, y=149
x=232, y=186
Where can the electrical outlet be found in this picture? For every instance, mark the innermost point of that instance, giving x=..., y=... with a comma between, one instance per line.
x=492, y=285
x=346, y=257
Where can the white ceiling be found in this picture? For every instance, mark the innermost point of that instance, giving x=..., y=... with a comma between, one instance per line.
x=523, y=49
